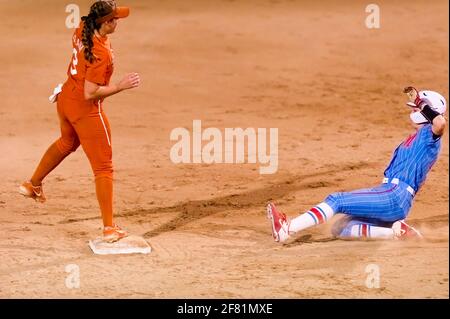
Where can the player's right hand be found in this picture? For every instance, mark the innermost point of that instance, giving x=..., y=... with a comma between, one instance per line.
x=131, y=80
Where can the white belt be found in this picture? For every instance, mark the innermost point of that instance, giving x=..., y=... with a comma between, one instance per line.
x=396, y=181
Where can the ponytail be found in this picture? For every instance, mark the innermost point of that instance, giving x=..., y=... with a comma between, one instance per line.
x=86, y=37
x=98, y=9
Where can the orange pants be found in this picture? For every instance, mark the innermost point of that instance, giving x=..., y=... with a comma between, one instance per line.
x=83, y=122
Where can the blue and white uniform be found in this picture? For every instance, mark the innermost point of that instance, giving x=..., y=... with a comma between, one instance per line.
x=392, y=200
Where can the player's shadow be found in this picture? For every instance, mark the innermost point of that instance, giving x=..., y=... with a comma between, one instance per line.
x=191, y=211
x=195, y=210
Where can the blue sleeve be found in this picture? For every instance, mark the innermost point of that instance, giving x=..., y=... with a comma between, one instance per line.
x=426, y=135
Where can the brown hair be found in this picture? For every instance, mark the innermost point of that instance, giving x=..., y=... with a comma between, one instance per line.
x=98, y=9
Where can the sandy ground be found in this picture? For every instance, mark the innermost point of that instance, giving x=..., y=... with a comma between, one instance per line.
x=311, y=69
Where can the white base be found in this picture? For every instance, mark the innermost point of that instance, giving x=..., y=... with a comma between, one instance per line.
x=128, y=245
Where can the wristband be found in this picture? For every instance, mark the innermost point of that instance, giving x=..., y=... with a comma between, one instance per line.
x=429, y=113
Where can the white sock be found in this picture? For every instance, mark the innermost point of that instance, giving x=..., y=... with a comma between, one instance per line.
x=368, y=231
x=317, y=215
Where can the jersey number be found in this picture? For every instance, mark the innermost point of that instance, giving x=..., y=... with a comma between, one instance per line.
x=73, y=65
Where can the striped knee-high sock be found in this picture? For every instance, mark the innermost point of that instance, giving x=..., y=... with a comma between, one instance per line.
x=369, y=231
x=318, y=214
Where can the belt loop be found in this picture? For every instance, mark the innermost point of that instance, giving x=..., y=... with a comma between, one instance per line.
x=396, y=181
x=410, y=190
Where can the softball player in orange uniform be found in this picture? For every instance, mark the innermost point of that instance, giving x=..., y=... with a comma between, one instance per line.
x=80, y=110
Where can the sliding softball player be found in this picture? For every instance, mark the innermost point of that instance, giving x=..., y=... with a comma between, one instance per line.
x=380, y=211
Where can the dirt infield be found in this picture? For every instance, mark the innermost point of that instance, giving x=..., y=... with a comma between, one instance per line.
x=312, y=69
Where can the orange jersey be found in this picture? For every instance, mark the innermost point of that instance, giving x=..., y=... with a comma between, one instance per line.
x=99, y=71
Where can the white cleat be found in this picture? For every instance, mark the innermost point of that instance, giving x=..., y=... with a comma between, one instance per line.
x=280, y=223
x=403, y=231
x=35, y=192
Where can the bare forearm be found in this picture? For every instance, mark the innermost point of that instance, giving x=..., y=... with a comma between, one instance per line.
x=94, y=91
x=438, y=125
x=102, y=92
